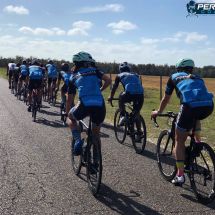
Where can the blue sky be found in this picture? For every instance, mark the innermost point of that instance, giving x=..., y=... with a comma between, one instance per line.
x=138, y=31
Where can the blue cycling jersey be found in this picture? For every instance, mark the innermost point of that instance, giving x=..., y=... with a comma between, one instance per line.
x=52, y=70
x=66, y=76
x=35, y=72
x=86, y=81
x=130, y=82
x=24, y=69
x=189, y=89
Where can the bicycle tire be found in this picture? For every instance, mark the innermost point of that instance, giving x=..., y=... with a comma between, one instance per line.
x=167, y=165
x=12, y=87
x=34, y=111
x=139, y=136
x=54, y=97
x=44, y=93
x=205, y=167
x=76, y=160
x=94, y=168
x=120, y=131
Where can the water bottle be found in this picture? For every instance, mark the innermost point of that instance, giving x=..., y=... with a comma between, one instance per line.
x=84, y=139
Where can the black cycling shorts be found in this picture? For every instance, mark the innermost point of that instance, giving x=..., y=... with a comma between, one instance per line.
x=64, y=88
x=34, y=84
x=80, y=111
x=22, y=77
x=50, y=80
x=10, y=73
x=137, y=98
x=187, y=116
x=16, y=77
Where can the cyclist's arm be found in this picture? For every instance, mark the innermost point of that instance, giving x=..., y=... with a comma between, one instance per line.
x=112, y=93
x=107, y=81
x=27, y=78
x=59, y=80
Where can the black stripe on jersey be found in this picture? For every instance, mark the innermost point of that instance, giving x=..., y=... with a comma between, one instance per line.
x=88, y=73
x=180, y=78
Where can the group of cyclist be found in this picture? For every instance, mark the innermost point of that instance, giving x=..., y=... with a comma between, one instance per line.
x=195, y=101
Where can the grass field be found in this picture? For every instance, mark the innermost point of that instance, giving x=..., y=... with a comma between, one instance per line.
x=151, y=85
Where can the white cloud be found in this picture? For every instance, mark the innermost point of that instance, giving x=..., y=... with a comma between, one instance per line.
x=19, y=10
x=205, y=1
x=207, y=43
x=107, y=7
x=180, y=34
x=77, y=32
x=194, y=37
x=99, y=40
x=83, y=25
x=138, y=54
x=148, y=41
x=123, y=25
x=118, y=31
x=58, y=31
x=37, y=31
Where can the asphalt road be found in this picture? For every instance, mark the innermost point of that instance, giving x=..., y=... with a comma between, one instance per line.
x=36, y=175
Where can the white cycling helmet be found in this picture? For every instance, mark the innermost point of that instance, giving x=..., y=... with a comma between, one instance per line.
x=123, y=65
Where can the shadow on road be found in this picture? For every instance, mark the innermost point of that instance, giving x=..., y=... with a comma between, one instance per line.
x=108, y=126
x=56, y=124
x=55, y=113
x=121, y=203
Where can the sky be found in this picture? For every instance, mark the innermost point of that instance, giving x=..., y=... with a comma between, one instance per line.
x=136, y=31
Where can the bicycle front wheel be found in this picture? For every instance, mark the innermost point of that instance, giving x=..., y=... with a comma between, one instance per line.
x=120, y=130
x=166, y=155
x=139, y=135
x=94, y=165
x=202, y=166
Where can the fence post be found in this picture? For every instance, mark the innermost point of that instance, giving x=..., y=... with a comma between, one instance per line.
x=111, y=82
x=160, y=87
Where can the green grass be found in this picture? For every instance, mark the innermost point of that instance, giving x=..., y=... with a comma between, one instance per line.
x=3, y=72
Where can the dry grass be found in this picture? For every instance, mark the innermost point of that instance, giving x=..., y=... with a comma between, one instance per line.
x=153, y=82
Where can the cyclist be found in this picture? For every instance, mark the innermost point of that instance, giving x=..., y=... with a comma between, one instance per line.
x=10, y=68
x=65, y=74
x=133, y=90
x=195, y=102
x=36, y=75
x=16, y=76
x=23, y=69
x=91, y=101
x=52, y=75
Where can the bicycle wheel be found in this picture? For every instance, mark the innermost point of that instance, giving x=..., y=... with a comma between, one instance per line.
x=12, y=87
x=202, y=164
x=139, y=136
x=44, y=93
x=54, y=97
x=166, y=155
x=120, y=130
x=34, y=109
x=94, y=165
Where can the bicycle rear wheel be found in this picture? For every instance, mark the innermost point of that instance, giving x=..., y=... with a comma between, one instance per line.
x=12, y=87
x=54, y=97
x=202, y=165
x=166, y=155
x=34, y=109
x=120, y=130
x=139, y=136
x=76, y=160
x=94, y=165
x=44, y=93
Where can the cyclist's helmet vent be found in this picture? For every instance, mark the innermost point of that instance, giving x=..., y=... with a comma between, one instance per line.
x=65, y=67
x=82, y=56
x=185, y=62
x=124, y=65
x=50, y=61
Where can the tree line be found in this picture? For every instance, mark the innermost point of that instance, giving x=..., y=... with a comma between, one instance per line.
x=113, y=68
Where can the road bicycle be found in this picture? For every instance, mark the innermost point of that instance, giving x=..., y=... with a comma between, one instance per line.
x=199, y=162
x=35, y=106
x=93, y=167
x=12, y=86
x=134, y=127
x=44, y=90
x=53, y=94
